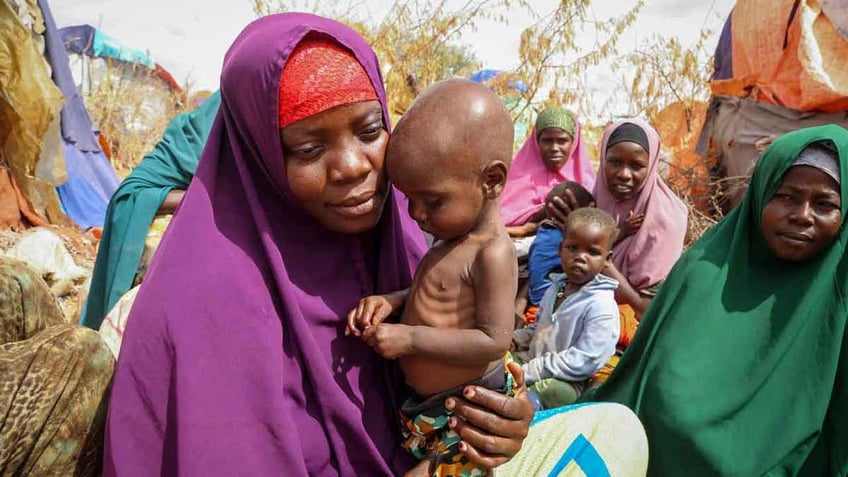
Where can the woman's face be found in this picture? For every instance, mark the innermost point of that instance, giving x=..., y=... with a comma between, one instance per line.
x=625, y=169
x=804, y=216
x=334, y=165
x=555, y=144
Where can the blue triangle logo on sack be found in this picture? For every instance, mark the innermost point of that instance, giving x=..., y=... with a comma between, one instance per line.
x=584, y=454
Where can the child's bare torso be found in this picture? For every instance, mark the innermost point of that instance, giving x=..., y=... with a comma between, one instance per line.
x=442, y=296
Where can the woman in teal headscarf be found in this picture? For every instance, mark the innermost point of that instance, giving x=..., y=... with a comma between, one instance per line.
x=740, y=365
x=155, y=186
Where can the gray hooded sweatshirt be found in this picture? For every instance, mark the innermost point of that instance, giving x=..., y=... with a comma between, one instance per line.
x=573, y=342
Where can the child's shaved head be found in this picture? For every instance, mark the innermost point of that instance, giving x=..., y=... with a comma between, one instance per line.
x=453, y=123
x=592, y=216
x=584, y=197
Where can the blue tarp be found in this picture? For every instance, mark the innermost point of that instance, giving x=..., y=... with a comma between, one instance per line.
x=723, y=61
x=91, y=179
x=87, y=40
x=485, y=75
x=91, y=183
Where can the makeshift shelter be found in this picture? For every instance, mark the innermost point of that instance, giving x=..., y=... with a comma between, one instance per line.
x=91, y=179
x=87, y=44
x=45, y=146
x=678, y=125
x=30, y=152
x=779, y=66
x=128, y=91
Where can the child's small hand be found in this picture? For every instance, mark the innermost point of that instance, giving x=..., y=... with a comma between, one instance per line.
x=632, y=224
x=371, y=311
x=389, y=340
x=763, y=143
x=559, y=208
x=611, y=271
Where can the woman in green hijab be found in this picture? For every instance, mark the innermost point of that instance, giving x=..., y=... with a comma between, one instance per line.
x=155, y=186
x=740, y=365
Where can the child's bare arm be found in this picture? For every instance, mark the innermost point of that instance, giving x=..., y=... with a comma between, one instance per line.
x=495, y=282
x=372, y=310
x=631, y=225
x=518, y=231
x=521, y=302
x=495, y=287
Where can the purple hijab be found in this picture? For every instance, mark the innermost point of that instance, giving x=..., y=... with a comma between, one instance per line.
x=234, y=360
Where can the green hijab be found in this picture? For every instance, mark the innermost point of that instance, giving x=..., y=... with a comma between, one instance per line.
x=555, y=118
x=740, y=365
x=171, y=165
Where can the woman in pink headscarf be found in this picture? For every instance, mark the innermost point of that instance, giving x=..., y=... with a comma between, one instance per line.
x=652, y=219
x=552, y=154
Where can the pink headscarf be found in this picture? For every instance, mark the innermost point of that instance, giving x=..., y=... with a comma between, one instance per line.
x=529, y=181
x=647, y=256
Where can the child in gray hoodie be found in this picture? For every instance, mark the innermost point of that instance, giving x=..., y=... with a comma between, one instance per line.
x=578, y=323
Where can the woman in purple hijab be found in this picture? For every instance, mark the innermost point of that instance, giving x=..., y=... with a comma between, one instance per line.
x=234, y=360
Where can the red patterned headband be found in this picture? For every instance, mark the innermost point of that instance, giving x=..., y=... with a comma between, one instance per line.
x=320, y=74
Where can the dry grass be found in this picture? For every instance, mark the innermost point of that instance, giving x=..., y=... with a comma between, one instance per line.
x=706, y=200
x=704, y=196
x=699, y=222
x=132, y=107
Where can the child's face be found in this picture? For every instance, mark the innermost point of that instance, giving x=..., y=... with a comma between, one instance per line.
x=625, y=169
x=804, y=216
x=446, y=201
x=584, y=252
